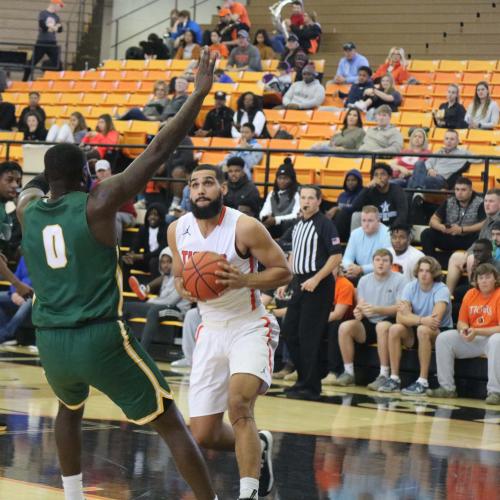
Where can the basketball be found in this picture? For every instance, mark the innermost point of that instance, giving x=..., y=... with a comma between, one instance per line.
x=199, y=275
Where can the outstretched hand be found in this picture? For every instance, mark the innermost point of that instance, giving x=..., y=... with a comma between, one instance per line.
x=205, y=75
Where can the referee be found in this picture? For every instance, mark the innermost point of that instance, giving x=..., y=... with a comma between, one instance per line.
x=315, y=254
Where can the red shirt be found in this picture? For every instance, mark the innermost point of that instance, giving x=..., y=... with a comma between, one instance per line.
x=112, y=137
x=297, y=20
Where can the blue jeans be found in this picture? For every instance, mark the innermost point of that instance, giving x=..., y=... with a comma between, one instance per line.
x=12, y=316
x=278, y=44
x=420, y=178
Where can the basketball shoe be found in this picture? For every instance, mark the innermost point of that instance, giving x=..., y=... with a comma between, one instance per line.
x=140, y=290
x=266, y=481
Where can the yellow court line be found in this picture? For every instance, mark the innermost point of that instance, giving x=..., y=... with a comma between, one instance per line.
x=34, y=491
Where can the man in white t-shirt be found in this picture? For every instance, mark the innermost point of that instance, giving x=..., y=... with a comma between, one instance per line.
x=405, y=257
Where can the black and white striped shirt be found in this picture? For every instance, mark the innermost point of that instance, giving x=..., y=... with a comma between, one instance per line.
x=313, y=241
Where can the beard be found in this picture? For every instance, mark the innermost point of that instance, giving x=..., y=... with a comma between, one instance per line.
x=209, y=211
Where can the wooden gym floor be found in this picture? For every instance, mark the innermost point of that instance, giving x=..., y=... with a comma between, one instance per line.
x=351, y=445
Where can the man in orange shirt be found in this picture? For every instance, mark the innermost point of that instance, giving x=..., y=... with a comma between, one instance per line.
x=343, y=306
x=477, y=333
x=239, y=12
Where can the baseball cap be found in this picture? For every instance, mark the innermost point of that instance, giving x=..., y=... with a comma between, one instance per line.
x=102, y=165
x=349, y=46
x=219, y=95
x=58, y=2
x=243, y=34
x=224, y=12
x=309, y=68
x=293, y=38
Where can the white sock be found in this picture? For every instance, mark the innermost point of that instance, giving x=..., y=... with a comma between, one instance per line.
x=396, y=378
x=73, y=487
x=249, y=486
x=349, y=368
x=423, y=381
x=384, y=370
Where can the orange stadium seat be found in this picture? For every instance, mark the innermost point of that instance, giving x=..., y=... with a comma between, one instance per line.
x=48, y=99
x=452, y=65
x=344, y=164
x=473, y=78
x=72, y=99
x=97, y=111
x=42, y=86
x=112, y=64
x=93, y=99
x=116, y=99
x=283, y=144
x=481, y=66
x=418, y=90
x=212, y=157
x=105, y=86
x=70, y=75
x=150, y=128
x=137, y=100
x=63, y=86
x=480, y=136
x=297, y=116
x=136, y=65
x=307, y=143
x=422, y=66
x=495, y=79
x=84, y=86
x=133, y=138
x=319, y=131
x=157, y=64
x=251, y=76
x=445, y=77
x=315, y=163
x=325, y=117
x=416, y=104
x=224, y=142
x=329, y=177
x=274, y=115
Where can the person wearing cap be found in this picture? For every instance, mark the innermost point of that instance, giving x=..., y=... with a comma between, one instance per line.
x=347, y=71
x=306, y=94
x=49, y=23
x=295, y=56
x=244, y=56
x=240, y=189
x=219, y=120
x=168, y=300
x=126, y=214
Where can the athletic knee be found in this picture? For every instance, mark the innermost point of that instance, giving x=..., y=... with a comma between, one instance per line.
x=395, y=332
x=239, y=408
x=423, y=333
x=204, y=437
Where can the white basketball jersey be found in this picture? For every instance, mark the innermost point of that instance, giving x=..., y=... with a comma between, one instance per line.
x=222, y=240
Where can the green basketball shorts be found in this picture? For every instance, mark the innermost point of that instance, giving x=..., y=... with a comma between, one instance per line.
x=104, y=356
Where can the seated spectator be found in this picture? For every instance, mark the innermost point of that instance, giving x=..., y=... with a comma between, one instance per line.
x=389, y=199
x=10, y=182
x=154, y=107
x=152, y=238
x=275, y=86
x=249, y=111
x=349, y=65
x=364, y=242
x=221, y=77
x=217, y=46
x=263, y=44
x=295, y=56
x=462, y=261
x=168, y=298
x=180, y=97
x=384, y=137
x=240, y=189
x=382, y=94
x=440, y=173
x=403, y=166
x=455, y=225
x=126, y=214
x=34, y=131
x=394, y=65
x=306, y=94
x=228, y=28
x=344, y=301
x=282, y=205
x=349, y=138
x=404, y=256
x=244, y=56
x=353, y=185
x=32, y=107
x=71, y=132
x=483, y=112
x=357, y=89
x=188, y=48
x=154, y=48
x=377, y=295
x=451, y=114
x=424, y=311
x=7, y=115
x=296, y=19
x=309, y=34
x=182, y=24
x=477, y=334
x=105, y=133
x=250, y=158
x=14, y=308
x=219, y=120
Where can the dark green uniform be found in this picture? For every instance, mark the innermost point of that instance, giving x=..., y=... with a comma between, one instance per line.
x=77, y=310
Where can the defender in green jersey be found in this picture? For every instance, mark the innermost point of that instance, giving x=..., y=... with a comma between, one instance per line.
x=69, y=243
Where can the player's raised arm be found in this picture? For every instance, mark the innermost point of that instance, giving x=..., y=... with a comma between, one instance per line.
x=252, y=237
x=112, y=193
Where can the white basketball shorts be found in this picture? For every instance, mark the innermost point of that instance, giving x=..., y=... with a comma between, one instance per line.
x=242, y=345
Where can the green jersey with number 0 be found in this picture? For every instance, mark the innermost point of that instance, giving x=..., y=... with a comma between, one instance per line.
x=76, y=279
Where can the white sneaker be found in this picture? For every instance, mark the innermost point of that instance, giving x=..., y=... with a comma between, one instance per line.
x=181, y=363
x=9, y=343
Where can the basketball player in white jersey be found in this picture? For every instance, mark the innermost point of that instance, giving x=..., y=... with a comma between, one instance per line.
x=233, y=357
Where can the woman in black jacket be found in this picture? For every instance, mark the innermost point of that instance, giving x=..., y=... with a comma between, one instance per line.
x=451, y=114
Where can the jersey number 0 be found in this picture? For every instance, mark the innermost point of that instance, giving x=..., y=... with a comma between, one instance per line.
x=55, y=248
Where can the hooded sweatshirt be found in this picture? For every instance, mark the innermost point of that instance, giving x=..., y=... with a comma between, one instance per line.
x=305, y=95
x=346, y=198
x=168, y=295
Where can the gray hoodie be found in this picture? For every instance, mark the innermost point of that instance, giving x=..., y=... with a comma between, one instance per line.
x=168, y=295
x=305, y=95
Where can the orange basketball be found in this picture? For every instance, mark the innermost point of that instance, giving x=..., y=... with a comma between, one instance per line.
x=199, y=275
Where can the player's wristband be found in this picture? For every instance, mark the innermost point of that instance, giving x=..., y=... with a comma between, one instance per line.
x=39, y=182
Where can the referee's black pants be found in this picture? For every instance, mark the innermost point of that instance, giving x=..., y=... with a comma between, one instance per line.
x=304, y=327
